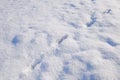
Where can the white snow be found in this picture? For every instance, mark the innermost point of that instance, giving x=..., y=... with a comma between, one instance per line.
x=59, y=40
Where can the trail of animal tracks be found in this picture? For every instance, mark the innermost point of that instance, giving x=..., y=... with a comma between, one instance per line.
x=59, y=40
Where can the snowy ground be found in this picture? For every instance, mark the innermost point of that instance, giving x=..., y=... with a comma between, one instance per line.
x=59, y=39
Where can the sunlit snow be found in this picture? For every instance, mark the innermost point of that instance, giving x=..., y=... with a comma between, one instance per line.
x=59, y=39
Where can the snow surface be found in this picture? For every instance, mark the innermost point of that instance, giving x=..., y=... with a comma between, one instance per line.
x=59, y=39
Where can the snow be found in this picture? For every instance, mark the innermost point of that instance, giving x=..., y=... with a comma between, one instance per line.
x=59, y=40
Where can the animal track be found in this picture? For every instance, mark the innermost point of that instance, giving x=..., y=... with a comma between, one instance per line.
x=62, y=39
x=93, y=20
